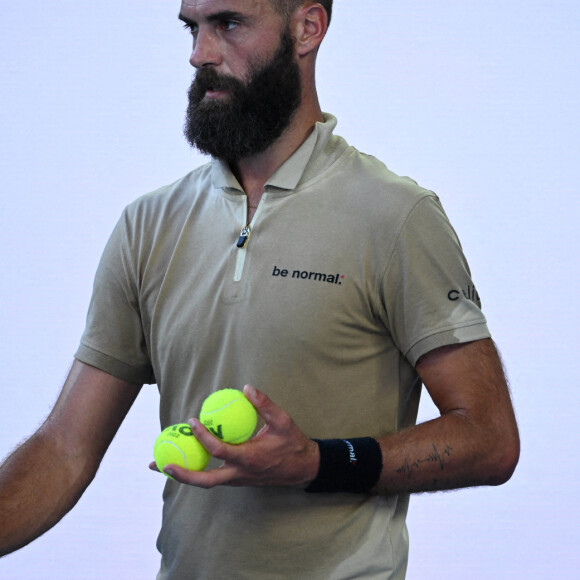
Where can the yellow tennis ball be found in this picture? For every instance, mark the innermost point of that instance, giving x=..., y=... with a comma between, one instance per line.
x=177, y=445
x=229, y=415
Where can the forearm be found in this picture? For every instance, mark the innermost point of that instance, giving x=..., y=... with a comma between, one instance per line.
x=446, y=453
x=475, y=440
x=39, y=484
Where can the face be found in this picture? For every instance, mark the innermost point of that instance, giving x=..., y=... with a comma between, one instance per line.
x=247, y=85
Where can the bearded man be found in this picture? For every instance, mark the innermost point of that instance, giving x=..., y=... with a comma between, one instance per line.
x=308, y=272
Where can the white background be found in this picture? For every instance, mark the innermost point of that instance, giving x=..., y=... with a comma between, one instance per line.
x=475, y=100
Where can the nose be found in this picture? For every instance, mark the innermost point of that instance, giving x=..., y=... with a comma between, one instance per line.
x=205, y=50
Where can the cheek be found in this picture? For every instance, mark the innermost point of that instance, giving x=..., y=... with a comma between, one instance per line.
x=234, y=64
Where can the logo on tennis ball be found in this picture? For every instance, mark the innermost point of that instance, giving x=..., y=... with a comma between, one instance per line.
x=179, y=429
x=219, y=433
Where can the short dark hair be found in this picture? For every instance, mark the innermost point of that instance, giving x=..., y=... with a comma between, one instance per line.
x=287, y=7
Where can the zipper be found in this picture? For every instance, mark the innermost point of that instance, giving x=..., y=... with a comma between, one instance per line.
x=244, y=239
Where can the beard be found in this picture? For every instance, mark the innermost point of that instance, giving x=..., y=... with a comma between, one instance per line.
x=252, y=115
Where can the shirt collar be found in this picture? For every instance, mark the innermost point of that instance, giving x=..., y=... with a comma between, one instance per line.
x=290, y=173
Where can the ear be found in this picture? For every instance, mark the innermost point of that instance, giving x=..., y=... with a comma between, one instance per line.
x=310, y=25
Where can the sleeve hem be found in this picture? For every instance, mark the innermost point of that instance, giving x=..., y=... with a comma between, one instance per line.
x=470, y=333
x=114, y=367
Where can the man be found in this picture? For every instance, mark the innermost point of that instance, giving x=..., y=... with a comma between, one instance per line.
x=294, y=264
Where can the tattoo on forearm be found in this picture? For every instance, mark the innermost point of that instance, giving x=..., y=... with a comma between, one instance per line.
x=435, y=456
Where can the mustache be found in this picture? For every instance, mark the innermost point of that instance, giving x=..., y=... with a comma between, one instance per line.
x=210, y=79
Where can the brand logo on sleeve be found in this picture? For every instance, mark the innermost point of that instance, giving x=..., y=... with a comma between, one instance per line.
x=334, y=278
x=470, y=293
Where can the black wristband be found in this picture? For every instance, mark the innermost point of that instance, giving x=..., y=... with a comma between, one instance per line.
x=348, y=465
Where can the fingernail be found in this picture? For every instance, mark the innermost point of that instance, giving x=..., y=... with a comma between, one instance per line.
x=250, y=391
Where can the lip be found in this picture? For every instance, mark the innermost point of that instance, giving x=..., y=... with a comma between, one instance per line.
x=215, y=94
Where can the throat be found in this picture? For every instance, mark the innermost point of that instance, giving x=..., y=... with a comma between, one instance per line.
x=253, y=202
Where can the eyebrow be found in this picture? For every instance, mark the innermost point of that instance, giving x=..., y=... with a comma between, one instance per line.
x=216, y=17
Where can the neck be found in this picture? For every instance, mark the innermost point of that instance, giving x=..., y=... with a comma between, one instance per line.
x=253, y=172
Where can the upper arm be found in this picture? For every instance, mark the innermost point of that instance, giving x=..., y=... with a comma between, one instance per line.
x=468, y=380
x=464, y=376
x=89, y=411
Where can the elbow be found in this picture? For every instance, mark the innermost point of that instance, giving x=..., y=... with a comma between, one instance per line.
x=504, y=459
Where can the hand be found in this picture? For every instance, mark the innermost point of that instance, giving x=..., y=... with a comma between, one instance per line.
x=279, y=455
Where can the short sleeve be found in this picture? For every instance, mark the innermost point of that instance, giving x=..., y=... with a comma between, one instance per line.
x=430, y=298
x=113, y=340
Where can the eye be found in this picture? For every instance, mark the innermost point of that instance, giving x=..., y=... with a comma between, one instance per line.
x=228, y=25
x=191, y=28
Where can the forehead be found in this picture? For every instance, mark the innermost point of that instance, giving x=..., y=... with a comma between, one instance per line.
x=202, y=8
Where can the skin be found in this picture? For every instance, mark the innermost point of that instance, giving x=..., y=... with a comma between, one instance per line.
x=474, y=442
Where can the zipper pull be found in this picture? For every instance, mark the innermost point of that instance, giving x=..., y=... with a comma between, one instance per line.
x=244, y=237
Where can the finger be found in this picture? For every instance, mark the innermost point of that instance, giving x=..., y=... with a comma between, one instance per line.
x=272, y=414
x=216, y=447
x=205, y=479
x=153, y=467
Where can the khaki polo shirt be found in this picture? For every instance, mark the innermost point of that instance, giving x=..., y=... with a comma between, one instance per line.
x=349, y=275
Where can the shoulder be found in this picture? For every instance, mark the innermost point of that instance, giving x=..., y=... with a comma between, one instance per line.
x=377, y=177
x=170, y=201
x=365, y=185
x=156, y=219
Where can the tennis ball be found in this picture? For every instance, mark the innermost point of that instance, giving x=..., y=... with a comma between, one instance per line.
x=177, y=444
x=229, y=415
